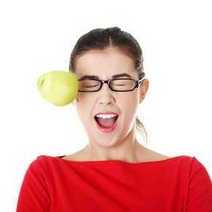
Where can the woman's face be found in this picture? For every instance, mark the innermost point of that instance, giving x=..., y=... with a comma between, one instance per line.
x=104, y=64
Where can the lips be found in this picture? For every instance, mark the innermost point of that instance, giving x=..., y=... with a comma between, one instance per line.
x=106, y=123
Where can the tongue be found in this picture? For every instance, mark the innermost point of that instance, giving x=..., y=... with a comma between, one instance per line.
x=107, y=123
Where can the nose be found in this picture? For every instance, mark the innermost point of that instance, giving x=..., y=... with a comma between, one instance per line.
x=106, y=95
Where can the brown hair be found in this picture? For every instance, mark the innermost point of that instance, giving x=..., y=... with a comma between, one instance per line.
x=102, y=38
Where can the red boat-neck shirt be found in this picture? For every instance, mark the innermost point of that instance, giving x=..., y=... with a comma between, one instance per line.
x=177, y=184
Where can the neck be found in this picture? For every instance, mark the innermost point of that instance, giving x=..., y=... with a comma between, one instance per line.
x=127, y=149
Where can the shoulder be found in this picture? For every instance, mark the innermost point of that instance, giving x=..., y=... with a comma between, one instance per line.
x=40, y=160
x=42, y=163
x=194, y=173
x=43, y=168
x=197, y=168
x=184, y=165
x=199, y=189
x=147, y=154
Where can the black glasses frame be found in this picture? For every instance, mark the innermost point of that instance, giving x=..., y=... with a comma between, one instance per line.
x=137, y=83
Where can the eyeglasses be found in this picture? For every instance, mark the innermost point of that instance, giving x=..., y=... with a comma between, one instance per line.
x=118, y=85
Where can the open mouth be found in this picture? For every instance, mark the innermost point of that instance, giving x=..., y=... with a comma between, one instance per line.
x=106, y=122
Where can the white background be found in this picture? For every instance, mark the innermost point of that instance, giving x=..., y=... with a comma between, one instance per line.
x=38, y=36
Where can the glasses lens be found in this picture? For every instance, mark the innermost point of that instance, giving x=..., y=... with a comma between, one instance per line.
x=122, y=84
x=89, y=85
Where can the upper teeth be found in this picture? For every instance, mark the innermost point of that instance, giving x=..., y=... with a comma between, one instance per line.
x=106, y=116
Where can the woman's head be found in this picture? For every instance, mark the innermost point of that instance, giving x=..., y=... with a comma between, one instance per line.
x=105, y=53
x=101, y=38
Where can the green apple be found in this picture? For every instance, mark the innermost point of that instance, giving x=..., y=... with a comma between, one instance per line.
x=58, y=87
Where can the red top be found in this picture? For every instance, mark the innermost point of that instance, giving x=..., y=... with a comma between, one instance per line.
x=177, y=184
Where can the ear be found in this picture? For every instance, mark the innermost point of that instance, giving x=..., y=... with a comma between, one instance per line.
x=143, y=88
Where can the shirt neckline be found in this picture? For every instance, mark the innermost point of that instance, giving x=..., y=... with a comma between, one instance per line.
x=116, y=161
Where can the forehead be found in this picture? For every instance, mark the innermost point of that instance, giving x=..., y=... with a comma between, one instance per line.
x=104, y=63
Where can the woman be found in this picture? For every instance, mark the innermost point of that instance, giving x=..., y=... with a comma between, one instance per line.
x=113, y=172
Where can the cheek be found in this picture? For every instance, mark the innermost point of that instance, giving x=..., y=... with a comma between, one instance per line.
x=128, y=101
x=128, y=107
x=84, y=110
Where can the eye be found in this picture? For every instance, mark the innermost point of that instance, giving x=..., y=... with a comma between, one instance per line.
x=89, y=83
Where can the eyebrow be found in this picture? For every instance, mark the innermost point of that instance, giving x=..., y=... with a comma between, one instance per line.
x=114, y=76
